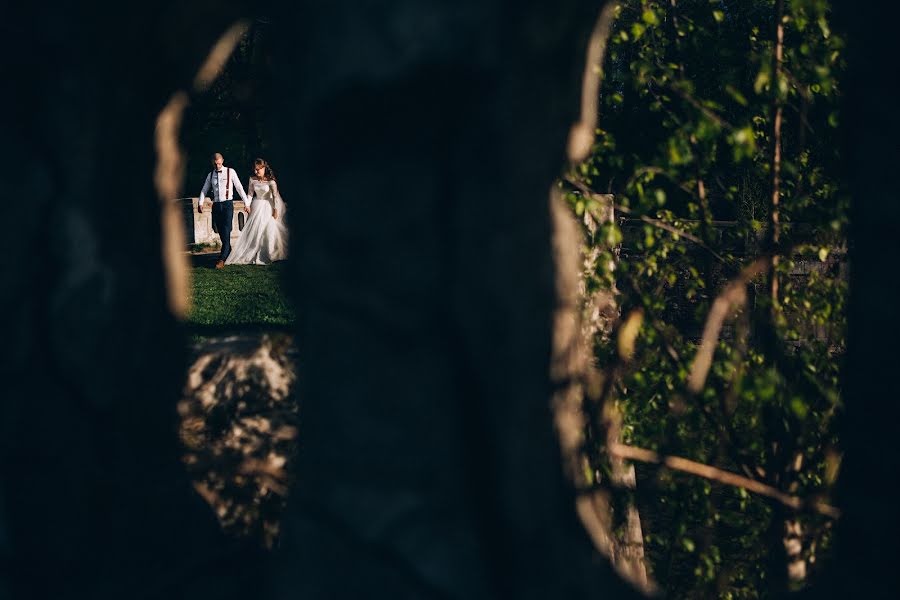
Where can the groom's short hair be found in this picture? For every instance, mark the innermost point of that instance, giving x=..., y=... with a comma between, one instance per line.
x=216, y=155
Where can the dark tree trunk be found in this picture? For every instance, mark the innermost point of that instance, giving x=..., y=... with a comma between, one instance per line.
x=96, y=502
x=423, y=139
x=868, y=531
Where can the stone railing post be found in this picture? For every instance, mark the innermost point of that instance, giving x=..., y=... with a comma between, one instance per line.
x=199, y=226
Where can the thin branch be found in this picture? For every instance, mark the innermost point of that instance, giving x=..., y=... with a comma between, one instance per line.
x=643, y=171
x=662, y=103
x=581, y=136
x=671, y=229
x=659, y=171
x=712, y=115
x=706, y=223
x=777, y=109
x=734, y=295
x=585, y=190
x=685, y=465
x=655, y=323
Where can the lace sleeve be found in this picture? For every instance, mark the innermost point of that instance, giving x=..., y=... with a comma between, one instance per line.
x=279, y=203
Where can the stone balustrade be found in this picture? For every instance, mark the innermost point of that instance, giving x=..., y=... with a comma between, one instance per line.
x=199, y=227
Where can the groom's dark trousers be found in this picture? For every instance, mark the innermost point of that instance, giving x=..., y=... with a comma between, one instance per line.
x=222, y=215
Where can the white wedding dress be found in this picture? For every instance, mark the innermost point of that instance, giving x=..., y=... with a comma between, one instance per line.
x=264, y=238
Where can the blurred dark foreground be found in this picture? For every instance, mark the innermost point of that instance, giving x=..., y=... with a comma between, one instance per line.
x=427, y=464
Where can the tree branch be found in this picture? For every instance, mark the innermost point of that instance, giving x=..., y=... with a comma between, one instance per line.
x=777, y=109
x=585, y=190
x=734, y=294
x=581, y=136
x=685, y=465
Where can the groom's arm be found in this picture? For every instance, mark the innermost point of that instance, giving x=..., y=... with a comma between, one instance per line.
x=205, y=189
x=239, y=187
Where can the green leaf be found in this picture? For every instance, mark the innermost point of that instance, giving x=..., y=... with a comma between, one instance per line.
x=743, y=143
x=762, y=81
x=637, y=30
x=782, y=86
x=649, y=17
x=823, y=25
x=736, y=95
x=799, y=407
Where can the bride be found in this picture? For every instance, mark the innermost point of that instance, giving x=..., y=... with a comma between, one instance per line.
x=264, y=238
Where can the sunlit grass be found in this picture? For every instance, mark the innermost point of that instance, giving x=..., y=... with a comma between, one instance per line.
x=239, y=297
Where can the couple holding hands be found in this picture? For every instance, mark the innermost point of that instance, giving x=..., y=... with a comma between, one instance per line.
x=264, y=237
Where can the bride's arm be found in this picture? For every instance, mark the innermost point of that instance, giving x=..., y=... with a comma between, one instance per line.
x=275, y=196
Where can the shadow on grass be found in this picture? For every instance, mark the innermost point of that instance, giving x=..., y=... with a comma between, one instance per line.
x=205, y=259
x=197, y=332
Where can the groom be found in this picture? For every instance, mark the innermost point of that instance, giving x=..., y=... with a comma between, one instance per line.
x=222, y=180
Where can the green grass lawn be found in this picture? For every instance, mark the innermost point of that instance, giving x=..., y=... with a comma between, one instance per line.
x=238, y=297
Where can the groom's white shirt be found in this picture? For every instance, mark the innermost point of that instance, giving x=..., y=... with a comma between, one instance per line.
x=219, y=183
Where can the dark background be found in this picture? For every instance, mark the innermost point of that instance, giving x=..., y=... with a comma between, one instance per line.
x=230, y=116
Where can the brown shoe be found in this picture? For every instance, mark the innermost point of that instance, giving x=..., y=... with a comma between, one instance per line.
x=220, y=264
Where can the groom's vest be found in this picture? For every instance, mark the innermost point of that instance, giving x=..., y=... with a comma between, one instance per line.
x=214, y=182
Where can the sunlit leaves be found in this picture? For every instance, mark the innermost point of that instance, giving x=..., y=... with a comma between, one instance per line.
x=649, y=17
x=743, y=143
x=762, y=81
x=686, y=147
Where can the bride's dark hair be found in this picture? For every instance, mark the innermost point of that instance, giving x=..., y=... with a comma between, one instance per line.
x=269, y=174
